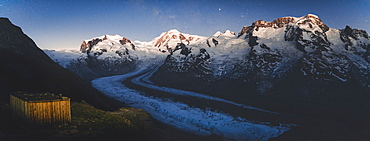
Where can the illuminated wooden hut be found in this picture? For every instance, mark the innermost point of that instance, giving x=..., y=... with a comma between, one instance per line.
x=42, y=108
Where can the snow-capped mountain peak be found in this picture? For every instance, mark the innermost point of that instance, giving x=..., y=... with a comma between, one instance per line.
x=229, y=33
x=174, y=31
x=308, y=22
x=106, y=43
x=168, y=40
x=218, y=33
x=222, y=39
x=281, y=22
x=226, y=33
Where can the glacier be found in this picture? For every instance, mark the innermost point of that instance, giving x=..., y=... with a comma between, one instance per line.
x=186, y=117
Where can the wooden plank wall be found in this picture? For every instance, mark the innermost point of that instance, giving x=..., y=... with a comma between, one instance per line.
x=42, y=113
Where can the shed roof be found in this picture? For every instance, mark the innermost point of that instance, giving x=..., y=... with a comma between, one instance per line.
x=40, y=97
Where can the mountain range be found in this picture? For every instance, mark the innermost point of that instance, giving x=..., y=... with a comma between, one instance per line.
x=293, y=65
x=257, y=60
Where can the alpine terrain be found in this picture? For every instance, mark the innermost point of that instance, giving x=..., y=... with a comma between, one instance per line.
x=293, y=78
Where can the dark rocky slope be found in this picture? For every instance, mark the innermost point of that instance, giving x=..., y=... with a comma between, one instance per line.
x=24, y=67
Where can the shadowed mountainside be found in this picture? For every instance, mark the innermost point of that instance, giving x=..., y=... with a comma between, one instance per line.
x=25, y=67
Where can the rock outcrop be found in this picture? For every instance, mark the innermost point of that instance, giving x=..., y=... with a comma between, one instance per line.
x=187, y=59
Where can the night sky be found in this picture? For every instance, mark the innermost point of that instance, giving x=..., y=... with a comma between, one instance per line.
x=65, y=24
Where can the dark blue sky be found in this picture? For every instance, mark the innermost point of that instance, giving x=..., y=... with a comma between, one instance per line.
x=65, y=24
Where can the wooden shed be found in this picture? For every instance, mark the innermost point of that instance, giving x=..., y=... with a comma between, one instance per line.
x=41, y=108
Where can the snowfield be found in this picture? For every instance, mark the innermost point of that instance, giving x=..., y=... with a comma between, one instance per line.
x=65, y=57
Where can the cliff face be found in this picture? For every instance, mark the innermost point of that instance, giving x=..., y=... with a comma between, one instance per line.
x=24, y=67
